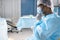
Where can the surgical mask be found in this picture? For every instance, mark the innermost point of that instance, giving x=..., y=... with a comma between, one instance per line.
x=39, y=10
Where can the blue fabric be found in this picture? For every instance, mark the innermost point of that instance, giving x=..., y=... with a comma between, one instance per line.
x=59, y=11
x=25, y=23
x=52, y=22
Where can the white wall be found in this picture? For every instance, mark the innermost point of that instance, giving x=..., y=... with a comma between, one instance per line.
x=59, y=1
x=55, y=2
x=11, y=9
x=0, y=7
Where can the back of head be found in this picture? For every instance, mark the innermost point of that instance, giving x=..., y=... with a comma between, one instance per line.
x=46, y=10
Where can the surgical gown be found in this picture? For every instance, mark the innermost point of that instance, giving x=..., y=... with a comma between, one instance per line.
x=48, y=28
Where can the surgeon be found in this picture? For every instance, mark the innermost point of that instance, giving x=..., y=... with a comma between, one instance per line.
x=38, y=29
x=48, y=27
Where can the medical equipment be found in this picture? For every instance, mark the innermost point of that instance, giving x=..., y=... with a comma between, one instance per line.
x=12, y=25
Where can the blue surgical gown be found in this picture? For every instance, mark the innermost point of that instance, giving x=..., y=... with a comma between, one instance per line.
x=50, y=28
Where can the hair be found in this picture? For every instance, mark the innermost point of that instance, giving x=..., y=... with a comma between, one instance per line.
x=46, y=10
x=41, y=5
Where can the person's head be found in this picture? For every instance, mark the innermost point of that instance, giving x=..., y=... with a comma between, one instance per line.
x=46, y=10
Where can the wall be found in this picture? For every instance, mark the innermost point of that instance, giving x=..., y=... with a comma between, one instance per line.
x=59, y=1
x=28, y=7
x=0, y=7
x=55, y=2
x=11, y=9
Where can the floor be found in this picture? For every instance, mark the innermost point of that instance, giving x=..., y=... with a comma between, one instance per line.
x=21, y=35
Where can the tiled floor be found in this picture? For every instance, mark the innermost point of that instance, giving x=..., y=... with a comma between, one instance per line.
x=21, y=35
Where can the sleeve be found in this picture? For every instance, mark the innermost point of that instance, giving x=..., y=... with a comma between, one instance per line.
x=38, y=23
